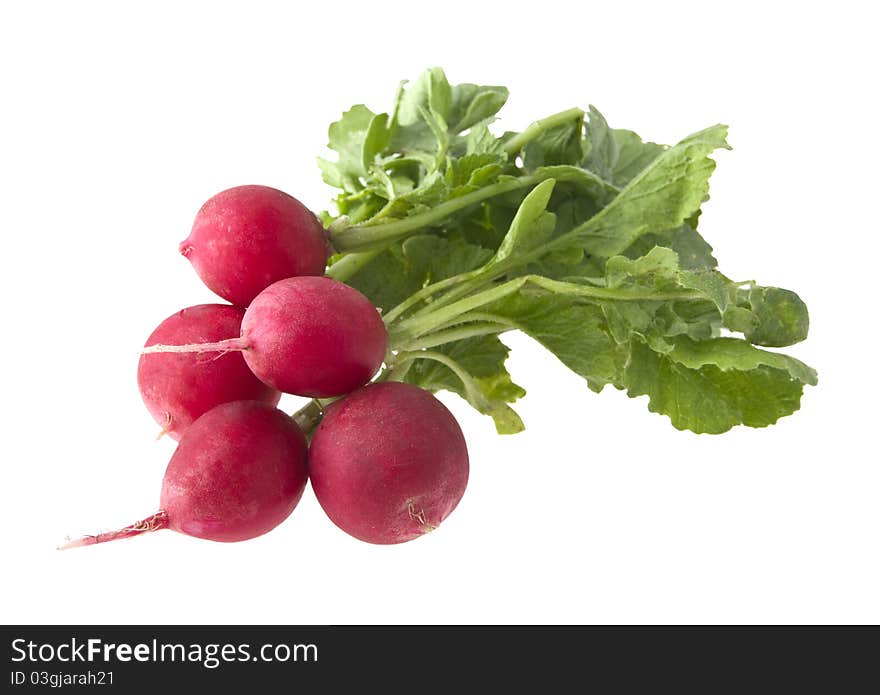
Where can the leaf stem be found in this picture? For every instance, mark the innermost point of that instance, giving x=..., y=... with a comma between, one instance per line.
x=371, y=236
x=351, y=264
x=309, y=416
x=518, y=141
x=425, y=293
x=429, y=320
x=474, y=394
x=471, y=330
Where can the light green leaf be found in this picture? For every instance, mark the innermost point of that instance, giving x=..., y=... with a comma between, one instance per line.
x=593, y=185
x=531, y=226
x=557, y=146
x=633, y=156
x=734, y=354
x=710, y=284
x=657, y=270
x=480, y=140
x=390, y=278
x=781, y=317
x=588, y=244
x=347, y=139
x=482, y=358
x=429, y=92
x=472, y=171
x=603, y=153
x=694, y=253
x=442, y=258
x=657, y=318
x=711, y=386
x=472, y=104
x=661, y=197
x=575, y=332
x=375, y=140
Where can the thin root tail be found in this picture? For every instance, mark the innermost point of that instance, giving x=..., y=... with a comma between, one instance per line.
x=229, y=345
x=157, y=521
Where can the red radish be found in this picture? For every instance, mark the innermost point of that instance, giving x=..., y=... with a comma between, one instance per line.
x=248, y=237
x=237, y=473
x=178, y=388
x=310, y=336
x=388, y=463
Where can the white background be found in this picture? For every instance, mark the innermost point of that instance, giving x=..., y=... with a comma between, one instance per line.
x=118, y=120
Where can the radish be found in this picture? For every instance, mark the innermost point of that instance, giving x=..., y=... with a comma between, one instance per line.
x=245, y=238
x=237, y=473
x=310, y=336
x=388, y=463
x=178, y=388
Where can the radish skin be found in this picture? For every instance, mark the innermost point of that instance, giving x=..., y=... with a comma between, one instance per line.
x=238, y=472
x=388, y=463
x=245, y=238
x=309, y=336
x=178, y=388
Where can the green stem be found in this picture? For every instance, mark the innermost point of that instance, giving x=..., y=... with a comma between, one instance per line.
x=471, y=317
x=363, y=237
x=494, y=271
x=396, y=371
x=423, y=294
x=423, y=323
x=474, y=394
x=351, y=264
x=517, y=142
x=309, y=417
x=471, y=330
x=372, y=236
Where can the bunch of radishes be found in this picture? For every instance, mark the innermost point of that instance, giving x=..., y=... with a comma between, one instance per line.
x=388, y=461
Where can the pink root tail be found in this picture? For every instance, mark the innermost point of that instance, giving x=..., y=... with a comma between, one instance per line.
x=229, y=345
x=157, y=521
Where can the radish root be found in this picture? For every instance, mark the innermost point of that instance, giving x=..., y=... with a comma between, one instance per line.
x=157, y=521
x=223, y=346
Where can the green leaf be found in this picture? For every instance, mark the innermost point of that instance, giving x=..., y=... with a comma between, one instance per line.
x=658, y=318
x=693, y=251
x=575, y=332
x=616, y=155
x=710, y=284
x=390, y=278
x=739, y=320
x=556, y=146
x=430, y=91
x=472, y=104
x=442, y=258
x=403, y=269
x=661, y=197
x=348, y=138
x=657, y=270
x=481, y=141
x=483, y=359
x=633, y=156
x=586, y=181
x=604, y=152
x=589, y=244
x=375, y=140
x=472, y=171
x=711, y=386
x=781, y=317
x=507, y=420
x=531, y=226
x=418, y=126
x=732, y=353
